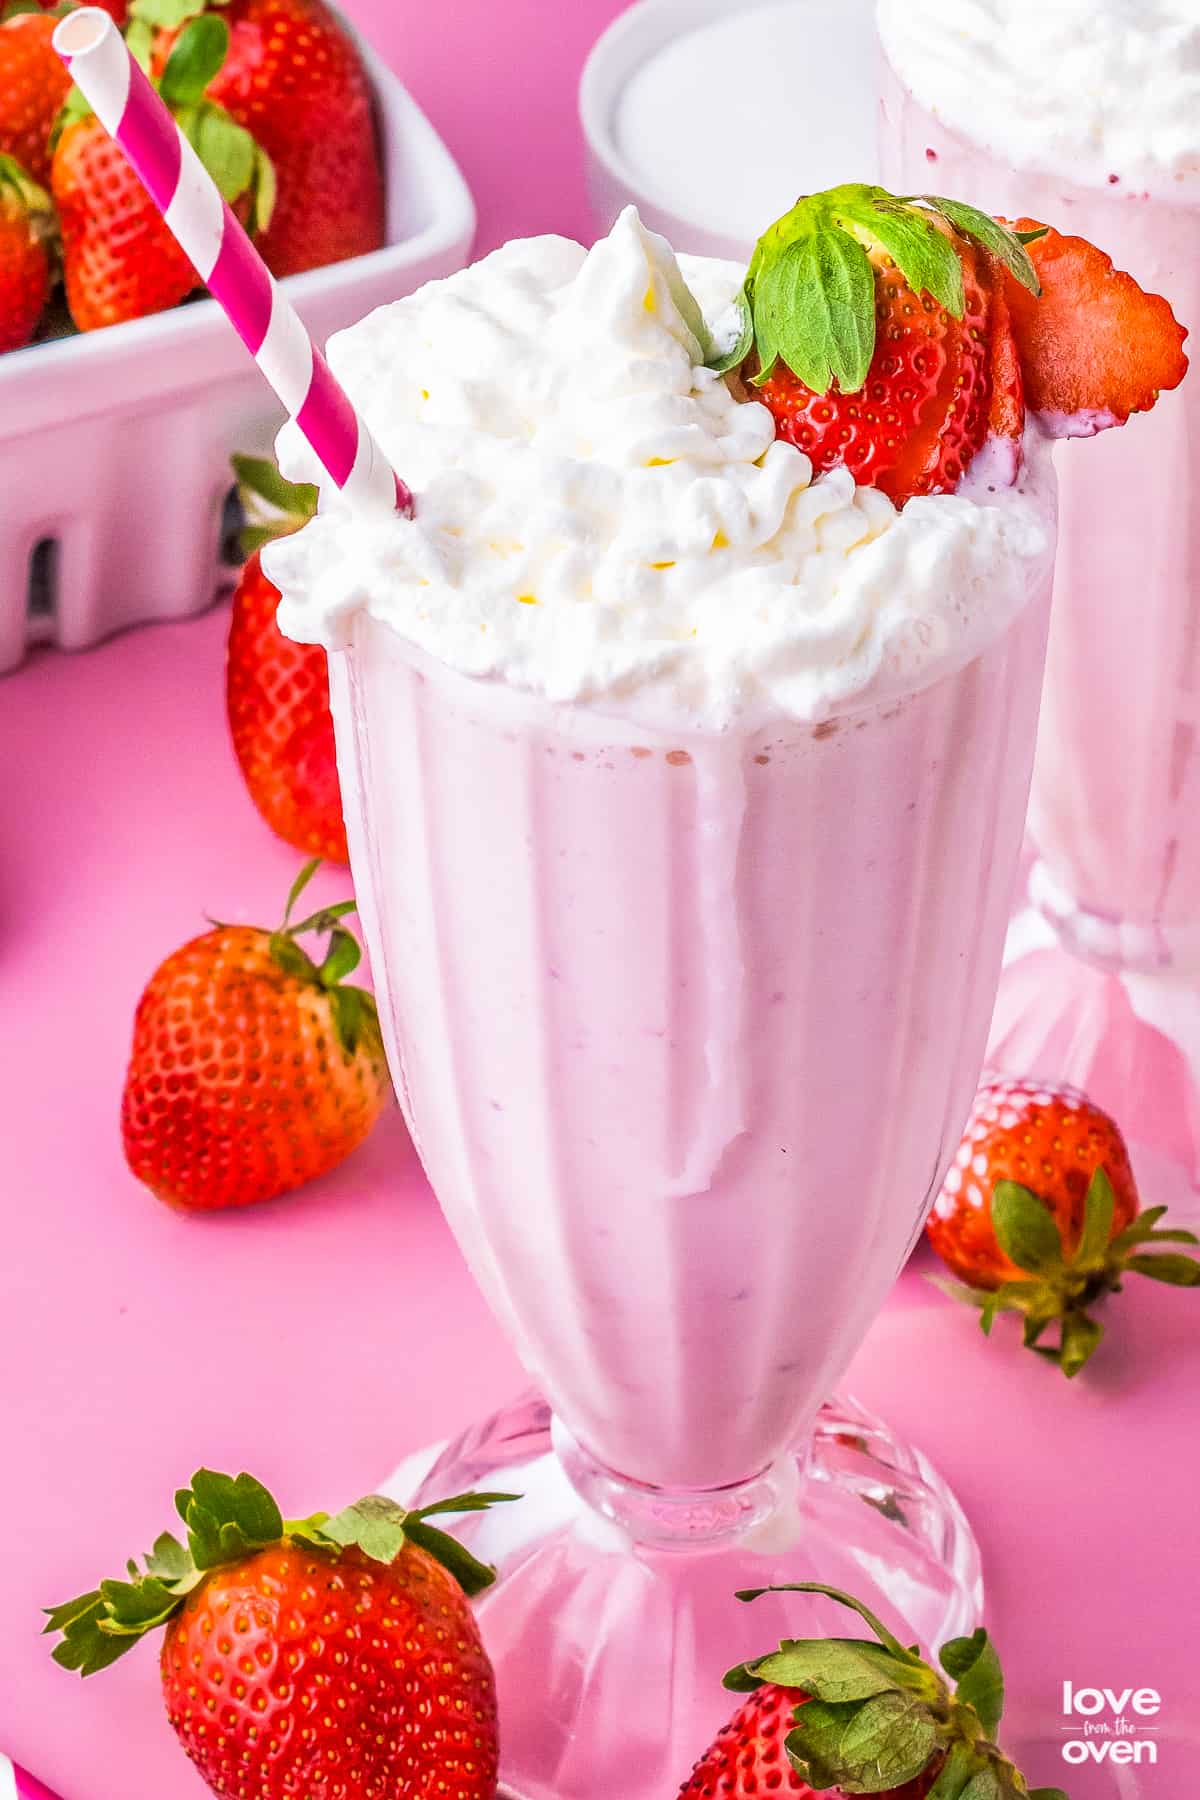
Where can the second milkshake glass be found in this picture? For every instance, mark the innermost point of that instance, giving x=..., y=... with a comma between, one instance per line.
x=1103, y=987
x=685, y=1027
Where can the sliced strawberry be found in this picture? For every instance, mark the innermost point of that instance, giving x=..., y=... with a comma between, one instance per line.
x=1094, y=348
x=1006, y=418
x=895, y=337
x=876, y=331
x=934, y=458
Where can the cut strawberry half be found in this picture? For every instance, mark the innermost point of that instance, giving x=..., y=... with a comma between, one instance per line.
x=1094, y=348
x=934, y=457
x=1006, y=417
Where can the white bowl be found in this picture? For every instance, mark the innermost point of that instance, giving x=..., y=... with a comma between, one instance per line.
x=114, y=445
x=762, y=125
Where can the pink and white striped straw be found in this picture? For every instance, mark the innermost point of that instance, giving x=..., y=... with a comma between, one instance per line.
x=239, y=281
x=19, y=1784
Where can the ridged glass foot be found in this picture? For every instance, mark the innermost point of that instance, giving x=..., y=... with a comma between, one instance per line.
x=614, y=1616
x=1129, y=1036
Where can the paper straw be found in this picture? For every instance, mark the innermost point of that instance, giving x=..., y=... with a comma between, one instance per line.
x=133, y=113
x=18, y=1784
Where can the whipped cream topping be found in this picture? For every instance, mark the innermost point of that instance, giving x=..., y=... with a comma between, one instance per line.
x=600, y=520
x=1109, y=88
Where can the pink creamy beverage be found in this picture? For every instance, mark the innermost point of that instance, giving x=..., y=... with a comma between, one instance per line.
x=686, y=1026
x=1089, y=120
x=684, y=795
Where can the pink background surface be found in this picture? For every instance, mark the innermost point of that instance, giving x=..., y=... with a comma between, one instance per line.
x=319, y=1340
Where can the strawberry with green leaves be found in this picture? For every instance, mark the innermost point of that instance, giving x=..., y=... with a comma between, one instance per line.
x=254, y=1068
x=277, y=691
x=899, y=336
x=295, y=78
x=120, y=261
x=26, y=236
x=330, y=1654
x=863, y=1716
x=1039, y=1216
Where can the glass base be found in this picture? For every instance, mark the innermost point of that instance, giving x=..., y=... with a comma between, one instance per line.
x=1109, y=941
x=1127, y=1036
x=614, y=1617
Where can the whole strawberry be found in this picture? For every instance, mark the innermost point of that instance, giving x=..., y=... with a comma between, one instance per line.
x=120, y=260
x=294, y=78
x=253, y=1068
x=33, y=86
x=277, y=691
x=1039, y=1215
x=332, y=1655
x=863, y=1716
x=898, y=337
x=26, y=227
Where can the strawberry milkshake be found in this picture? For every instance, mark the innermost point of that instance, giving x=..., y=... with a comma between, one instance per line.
x=684, y=814
x=1022, y=110
x=685, y=738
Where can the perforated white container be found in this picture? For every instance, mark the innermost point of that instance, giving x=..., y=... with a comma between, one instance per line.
x=114, y=445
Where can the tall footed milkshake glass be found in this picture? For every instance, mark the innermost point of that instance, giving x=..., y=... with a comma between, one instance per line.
x=1028, y=111
x=685, y=869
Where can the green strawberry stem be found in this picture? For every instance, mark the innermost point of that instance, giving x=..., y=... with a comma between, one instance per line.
x=21, y=193
x=237, y=163
x=878, y=1715
x=809, y=295
x=355, y=1014
x=229, y=1518
x=272, y=505
x=1057, y=1288
x=17, y=184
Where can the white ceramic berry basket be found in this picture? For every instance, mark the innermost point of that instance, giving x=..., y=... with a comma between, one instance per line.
x=114, y=445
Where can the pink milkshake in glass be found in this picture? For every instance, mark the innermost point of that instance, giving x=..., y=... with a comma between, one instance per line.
x=684, y=796
x=1090, y=119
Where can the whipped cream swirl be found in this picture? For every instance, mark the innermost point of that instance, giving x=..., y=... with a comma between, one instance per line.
x=600, y=520
x=1092, y=91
